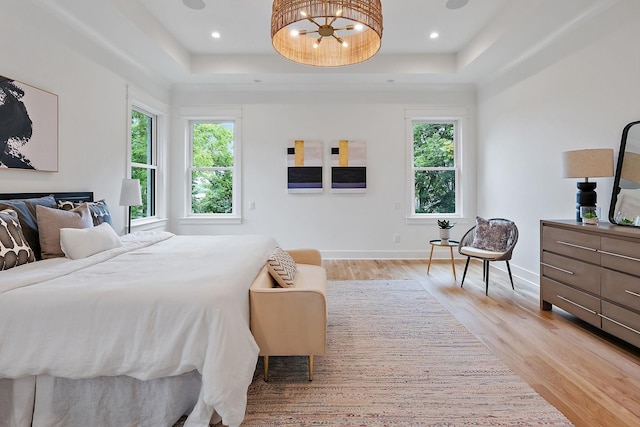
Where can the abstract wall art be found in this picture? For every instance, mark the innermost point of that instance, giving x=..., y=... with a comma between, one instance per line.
x=304, y=166
x=28, y=127
x=349, y=167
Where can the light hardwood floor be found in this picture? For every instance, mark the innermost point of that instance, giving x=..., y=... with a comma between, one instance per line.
x=593, y=378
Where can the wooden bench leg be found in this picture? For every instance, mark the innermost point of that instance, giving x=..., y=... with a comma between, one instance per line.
x=266, y=368
x=311, y=367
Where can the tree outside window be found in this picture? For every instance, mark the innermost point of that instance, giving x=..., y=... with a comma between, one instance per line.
x=212, y=167
x=434, y=168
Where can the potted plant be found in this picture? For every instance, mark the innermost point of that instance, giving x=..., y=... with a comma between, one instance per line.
x=445, y=226
x=589, y=214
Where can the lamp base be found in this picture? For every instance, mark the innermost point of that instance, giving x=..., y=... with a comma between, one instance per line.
x=586, y=196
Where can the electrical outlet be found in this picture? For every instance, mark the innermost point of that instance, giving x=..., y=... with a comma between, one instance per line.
x=252, y=205
x=396, y=238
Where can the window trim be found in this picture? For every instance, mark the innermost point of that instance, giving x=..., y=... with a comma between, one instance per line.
x=459, y=117
x=145, y=104
x=214, y=115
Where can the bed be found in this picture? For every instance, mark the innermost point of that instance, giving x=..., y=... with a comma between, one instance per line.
x=137, y=334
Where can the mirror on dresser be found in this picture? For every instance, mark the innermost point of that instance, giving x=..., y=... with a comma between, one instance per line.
x=625, y=197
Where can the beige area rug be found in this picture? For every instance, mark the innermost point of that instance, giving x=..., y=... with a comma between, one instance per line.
x=395, y=357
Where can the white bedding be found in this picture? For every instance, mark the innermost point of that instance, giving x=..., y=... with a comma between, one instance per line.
x=160, y=305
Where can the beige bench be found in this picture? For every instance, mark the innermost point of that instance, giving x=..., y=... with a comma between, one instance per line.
x=291, y=321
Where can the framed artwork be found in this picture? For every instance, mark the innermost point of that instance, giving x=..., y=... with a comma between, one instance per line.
x=304, y=166
x=349, y=167
x=28, y=127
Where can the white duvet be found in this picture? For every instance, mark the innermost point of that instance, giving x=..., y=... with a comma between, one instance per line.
x=160, y=305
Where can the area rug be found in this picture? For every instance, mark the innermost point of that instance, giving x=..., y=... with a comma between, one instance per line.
x=395, y=357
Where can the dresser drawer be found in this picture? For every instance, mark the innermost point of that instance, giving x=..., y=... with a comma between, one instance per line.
x=580, y=304
x=571, y=272
x=621, y=288
x=622, y=323
x=574, y=244
x=621, y=255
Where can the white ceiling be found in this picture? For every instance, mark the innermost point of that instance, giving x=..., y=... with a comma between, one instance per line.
x=478, y=40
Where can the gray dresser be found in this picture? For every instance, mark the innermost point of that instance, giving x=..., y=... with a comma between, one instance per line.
x=593, y=272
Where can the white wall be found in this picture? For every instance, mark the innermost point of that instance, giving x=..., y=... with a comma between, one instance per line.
x=577, y=94
x=92, y=107
x=340, y=225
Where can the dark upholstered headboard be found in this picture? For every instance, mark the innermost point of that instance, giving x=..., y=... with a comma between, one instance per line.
x=75, y=196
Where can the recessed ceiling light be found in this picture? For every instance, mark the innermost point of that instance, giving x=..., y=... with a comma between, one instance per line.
x=456, y=4
x=215, y=35
x=434, y=35
x=194, y=4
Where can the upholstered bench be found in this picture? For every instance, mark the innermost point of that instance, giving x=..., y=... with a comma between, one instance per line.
x=291, y=321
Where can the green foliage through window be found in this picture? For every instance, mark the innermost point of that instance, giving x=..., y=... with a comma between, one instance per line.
x=434, y=168
x=212, y=167
x=143, y=165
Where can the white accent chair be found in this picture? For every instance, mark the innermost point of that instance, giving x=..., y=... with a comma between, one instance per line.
x=468, y=247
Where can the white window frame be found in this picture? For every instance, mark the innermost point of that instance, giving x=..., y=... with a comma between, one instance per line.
x=459, y=117
x=214, y=115
x=145, y=104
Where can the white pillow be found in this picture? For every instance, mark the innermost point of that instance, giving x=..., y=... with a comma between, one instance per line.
x=83, y=242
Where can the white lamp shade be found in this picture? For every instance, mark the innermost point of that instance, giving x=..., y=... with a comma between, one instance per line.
x=588, y=163
x=130, y=192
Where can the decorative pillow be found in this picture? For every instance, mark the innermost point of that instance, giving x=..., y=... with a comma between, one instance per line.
x=491, y=235
x=99, y=210
x=79, y=243
x=14, y=248
x=282, y=267
x=26, y=209
x=51, y=220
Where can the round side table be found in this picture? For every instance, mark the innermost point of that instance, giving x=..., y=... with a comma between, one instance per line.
x=445, y=244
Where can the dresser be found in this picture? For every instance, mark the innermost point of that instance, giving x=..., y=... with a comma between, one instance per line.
x=593, y=272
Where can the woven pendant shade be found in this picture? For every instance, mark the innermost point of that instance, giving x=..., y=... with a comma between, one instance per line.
x=331, y=25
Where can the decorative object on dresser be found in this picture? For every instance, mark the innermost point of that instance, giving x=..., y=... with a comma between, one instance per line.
x=625, y=197
x=589, y=163
x=594, y=274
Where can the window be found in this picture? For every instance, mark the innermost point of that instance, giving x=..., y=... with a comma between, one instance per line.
x=214, y=169
x=435, y=169
x=144, y=160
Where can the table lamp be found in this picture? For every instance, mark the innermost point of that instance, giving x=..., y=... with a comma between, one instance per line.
x=130, y=196
x=587, y=163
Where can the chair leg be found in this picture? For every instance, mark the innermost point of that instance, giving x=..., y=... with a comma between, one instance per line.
x=311, y=367
x=266, y=368
x=465, y=271
x=486, y=277
x=510, y=277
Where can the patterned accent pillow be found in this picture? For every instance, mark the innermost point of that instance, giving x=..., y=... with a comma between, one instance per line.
x=282, y=267
x=492, y=235
x=26, y=209
x=14, y=248
x=99, y=210
x=51, y=220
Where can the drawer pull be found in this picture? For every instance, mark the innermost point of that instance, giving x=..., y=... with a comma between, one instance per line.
x=557, y=268
x=635, y=294
x=576, y=304
x=619, y=324
x=576, y=246
x=620, y=256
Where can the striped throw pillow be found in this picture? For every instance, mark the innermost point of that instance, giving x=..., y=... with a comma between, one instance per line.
x=282, y=267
